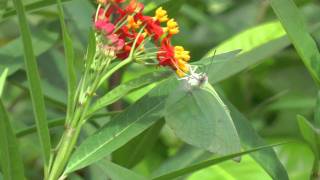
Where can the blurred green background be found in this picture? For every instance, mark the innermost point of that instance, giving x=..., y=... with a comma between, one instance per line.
x=270, y=93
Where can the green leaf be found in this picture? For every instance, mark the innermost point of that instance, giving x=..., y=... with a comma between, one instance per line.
x=311, y=136
x=267, y=158
x=3, y=77
x=135, y=150
x=116, y=172
x=249, y=139
x=124, y=127
x=207, y=163
x=34, y=82
x=31, y=7
x=317, y=111
x=231, y=170
x=11, y=54
x=69, y=57
x=186, y=156
x=123, y=89
x=29, y=130
x=10, y=159
x=222, y=71
x=200, y=118
x=58, y=123
x=251, y=38
x=297, y=158
x=3, y=6
x=296, y=28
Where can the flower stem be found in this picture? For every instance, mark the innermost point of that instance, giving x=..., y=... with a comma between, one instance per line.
x=68, y=142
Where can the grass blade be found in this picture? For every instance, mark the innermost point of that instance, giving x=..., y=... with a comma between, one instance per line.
x=3, y=77
x=69, y=56
x=10, y=159
x=208, y=163
x=34, y=83
x=296, y=28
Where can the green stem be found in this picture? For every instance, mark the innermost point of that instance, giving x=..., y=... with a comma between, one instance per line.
x=114, y=69
x=68, y=142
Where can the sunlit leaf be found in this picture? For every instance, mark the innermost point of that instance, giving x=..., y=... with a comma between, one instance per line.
x=296, y=28
x=3, y=76
x=207, y=163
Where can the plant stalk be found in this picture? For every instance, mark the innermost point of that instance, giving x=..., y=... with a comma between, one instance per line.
x=68, y=142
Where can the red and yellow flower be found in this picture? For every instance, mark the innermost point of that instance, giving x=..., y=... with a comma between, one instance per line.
x=121, y=26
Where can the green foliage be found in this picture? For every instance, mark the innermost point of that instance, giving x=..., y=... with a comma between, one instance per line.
x=143, y=123
x=297, y=30
x=121, y=129
x=3, y=77
x=200, y=165
x=34, y=82
x=11, y=161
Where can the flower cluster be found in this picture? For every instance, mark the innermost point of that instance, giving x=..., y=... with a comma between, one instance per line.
x=125, y=28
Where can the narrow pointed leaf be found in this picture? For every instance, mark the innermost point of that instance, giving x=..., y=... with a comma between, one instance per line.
x=296, y=28
x=122, y=128
x=208, y=163
x=186, y=156
x=3, y=77
x=34, y=83
x=69, y=58
x=123, y=89
x=10, y=158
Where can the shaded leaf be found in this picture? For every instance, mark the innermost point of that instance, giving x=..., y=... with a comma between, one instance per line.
x=135, y=150
x=11, y=54
x=117, y=172
x=11, y=161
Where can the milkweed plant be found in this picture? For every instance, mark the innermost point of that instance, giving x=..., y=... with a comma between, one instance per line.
x=178, y=98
